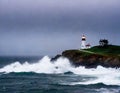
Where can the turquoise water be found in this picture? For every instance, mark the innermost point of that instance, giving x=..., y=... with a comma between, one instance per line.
x=36, y=75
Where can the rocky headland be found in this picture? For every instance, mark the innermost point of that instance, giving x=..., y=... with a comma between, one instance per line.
x=106, y=56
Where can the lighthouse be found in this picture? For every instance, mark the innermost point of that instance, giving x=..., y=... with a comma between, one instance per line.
x=83, y=42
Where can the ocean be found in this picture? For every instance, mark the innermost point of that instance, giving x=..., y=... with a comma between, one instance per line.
x=20, y=74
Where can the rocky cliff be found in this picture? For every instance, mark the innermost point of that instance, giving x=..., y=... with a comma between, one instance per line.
x=91, y=59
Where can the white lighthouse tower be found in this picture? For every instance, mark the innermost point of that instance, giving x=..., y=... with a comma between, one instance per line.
x=83, y=42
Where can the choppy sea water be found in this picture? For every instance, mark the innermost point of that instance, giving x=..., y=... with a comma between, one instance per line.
x=40, y=75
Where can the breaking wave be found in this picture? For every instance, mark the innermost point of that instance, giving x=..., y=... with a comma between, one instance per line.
x=107, y=76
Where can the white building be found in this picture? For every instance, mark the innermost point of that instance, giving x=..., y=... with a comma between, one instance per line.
x=83, y=42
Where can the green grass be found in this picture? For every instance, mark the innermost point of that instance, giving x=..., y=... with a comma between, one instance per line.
x=110, y=50
x=77, y=53
x=106, y=50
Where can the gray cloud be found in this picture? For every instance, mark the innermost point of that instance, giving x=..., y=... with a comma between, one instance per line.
x=37, y=27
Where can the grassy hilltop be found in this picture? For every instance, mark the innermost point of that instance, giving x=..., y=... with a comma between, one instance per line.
x=111, y=50
x=107, y=56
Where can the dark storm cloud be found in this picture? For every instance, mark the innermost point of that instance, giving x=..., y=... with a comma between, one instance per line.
x=41, y=23
x=94, y=14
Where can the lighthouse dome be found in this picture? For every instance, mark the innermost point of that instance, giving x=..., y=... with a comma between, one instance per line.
x=83, y=37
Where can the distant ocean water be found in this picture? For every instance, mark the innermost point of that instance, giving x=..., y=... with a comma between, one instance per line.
x=40, y=75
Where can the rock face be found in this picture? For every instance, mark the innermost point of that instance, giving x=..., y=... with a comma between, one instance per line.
x=90, y=60
x=56, y=57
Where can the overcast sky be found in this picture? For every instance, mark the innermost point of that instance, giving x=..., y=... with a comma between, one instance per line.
x=47, y=27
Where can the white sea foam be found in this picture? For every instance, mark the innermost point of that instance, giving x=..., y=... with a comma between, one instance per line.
x=43, y=66
x=108, y=76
